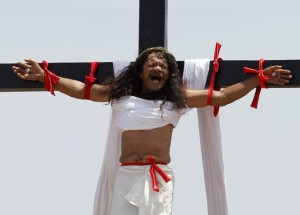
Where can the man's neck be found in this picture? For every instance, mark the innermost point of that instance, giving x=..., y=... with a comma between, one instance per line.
x=160, y=95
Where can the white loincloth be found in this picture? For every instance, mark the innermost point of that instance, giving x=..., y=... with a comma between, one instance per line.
x=134, y=195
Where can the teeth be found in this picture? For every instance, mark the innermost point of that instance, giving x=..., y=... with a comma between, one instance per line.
x=155, y=78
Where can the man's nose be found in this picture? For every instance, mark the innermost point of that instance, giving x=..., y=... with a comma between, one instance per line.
x=158, y=68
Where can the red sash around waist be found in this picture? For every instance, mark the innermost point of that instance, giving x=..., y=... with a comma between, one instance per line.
x=153, y=169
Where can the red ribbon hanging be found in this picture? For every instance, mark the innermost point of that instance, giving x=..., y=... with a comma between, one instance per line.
x=213, y=77
x=50, y=79
x=90, y=80
x=155, y=168
x=262, y=79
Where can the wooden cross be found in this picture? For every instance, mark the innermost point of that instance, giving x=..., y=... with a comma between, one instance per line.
x=152, y=32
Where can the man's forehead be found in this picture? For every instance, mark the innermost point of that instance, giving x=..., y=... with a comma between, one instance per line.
x=156, y=57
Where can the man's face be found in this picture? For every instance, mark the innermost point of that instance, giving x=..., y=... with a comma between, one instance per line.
x=155, y=73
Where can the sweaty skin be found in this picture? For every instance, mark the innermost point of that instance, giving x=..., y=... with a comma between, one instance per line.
x=136, y=145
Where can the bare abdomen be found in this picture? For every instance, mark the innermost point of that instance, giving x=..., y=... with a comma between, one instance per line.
x=137, y=145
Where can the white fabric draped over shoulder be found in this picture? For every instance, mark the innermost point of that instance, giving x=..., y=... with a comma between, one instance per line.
x=195, y=75
x=110, y=163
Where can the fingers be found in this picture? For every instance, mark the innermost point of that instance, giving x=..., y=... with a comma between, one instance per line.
x=29, y=76
x=20, y=72
x=282, y=76
x=275, y=67
x=31, y=62
x=282, y=81
x=23, y=69
x=277, y=75
x=29, y=70
x=285, y=76
x=283, y=71
x=28, y=64
x=24, y=65
x=17, y=69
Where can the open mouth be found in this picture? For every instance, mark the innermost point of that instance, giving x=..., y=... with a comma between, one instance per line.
x=156, y=78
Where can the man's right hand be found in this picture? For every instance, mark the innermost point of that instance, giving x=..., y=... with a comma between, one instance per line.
x=29, y=70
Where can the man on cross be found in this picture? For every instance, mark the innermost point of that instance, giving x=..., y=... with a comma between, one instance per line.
x=149, y=98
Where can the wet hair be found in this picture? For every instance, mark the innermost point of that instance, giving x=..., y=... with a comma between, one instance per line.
x=129, y=83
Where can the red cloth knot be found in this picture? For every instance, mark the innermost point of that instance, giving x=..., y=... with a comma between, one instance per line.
x=155, y=168
x=50, y=79
x=213, y=77
x=90, y=80
x=262, y=80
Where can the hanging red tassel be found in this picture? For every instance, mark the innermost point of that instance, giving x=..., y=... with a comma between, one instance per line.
x=213, y=77
x=90, y=80
x=262, y=79
x=50, y=79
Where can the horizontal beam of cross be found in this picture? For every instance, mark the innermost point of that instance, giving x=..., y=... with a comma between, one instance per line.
x=230, y=72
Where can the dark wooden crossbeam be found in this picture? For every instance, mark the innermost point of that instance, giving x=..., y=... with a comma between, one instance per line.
x=230, y=72
x=152, y=32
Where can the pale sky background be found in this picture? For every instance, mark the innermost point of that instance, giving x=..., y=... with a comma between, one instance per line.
x=51, y=147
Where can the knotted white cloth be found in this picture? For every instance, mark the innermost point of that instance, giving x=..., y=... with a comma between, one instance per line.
x=135, y=184
x=133, y=113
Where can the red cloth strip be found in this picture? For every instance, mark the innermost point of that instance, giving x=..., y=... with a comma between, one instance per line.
x=50, y=79
x=213, y=77
x=140, y=164
x=90, y=80
x=262, y=79
x=216, y=109
x=153, y=169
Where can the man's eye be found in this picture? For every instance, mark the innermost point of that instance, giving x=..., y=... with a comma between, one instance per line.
x=154, y=65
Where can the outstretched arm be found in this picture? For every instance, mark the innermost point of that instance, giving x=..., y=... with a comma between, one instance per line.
x=198, y=98
x=67, y=86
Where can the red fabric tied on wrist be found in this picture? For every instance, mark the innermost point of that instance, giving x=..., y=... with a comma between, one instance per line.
x=262, y=79
x=213, y=77
x=90, y=80
x=50, y=79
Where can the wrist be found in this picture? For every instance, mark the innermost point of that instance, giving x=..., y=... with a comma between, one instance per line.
x=260, y=78
x=256, y=81
x=41, y=77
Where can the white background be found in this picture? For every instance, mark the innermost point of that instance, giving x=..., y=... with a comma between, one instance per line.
x=51, y=147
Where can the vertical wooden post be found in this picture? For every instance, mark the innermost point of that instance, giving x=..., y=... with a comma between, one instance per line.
x=153, y=24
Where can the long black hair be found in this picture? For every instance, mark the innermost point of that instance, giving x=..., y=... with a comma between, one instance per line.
x=129, y=83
